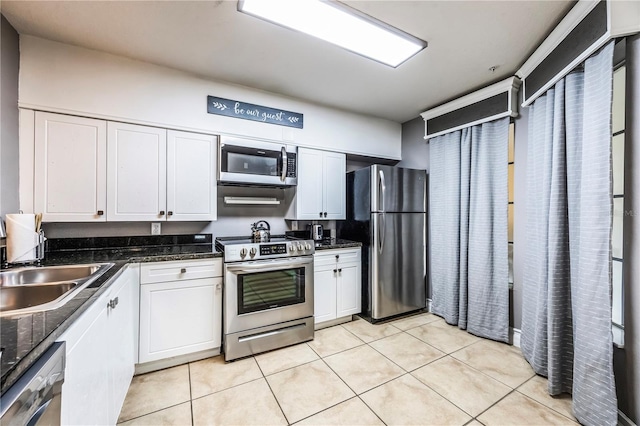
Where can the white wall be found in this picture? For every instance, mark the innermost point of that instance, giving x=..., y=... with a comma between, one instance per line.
x=65, y=78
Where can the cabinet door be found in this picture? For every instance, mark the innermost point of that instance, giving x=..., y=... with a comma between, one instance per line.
x=349, y=290
x=309, y=190
x=334, y=188
x=178, y=318
x=136, y=173
x=85, y=391
x=324, y=294
x=70, y=168
x=121, y=341
x=191, y=178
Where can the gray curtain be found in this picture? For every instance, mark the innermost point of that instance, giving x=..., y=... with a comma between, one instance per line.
x=468, y=199
x=566, y=322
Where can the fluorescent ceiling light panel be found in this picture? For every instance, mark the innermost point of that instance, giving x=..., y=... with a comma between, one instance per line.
x=338, y=24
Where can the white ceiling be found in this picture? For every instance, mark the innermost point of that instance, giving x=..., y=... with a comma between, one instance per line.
x=212, y=39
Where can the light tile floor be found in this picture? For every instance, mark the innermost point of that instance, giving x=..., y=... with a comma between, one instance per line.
x=412, y=371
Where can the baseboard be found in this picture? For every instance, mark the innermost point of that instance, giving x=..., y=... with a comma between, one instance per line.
x=514, y=336
x=175, y=360
x=429, y=305
x=624, y=420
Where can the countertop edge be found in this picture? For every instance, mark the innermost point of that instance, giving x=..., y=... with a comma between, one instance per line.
x=101, y=285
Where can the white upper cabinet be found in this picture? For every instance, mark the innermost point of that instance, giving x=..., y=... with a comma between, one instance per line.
x=191, y=176
x=70, y=168
x=320, y=194
x=137, y=173
x=334, y=188
x=89, y=170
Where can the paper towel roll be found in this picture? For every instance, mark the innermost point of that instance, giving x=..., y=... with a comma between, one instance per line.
x=22, y=238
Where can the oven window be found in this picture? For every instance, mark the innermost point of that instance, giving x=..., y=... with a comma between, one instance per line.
x=266, y=290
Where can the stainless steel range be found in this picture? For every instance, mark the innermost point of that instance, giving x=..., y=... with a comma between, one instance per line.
x=268, y=294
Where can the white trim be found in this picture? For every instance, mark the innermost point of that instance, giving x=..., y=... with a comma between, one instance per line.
x=624, y=420
x=35, y=107
x=509, y=85
x=623, y=18
x=473, y=97
x=514, y=336
x=618, y=335
x=559, y=33
x=473, y=123
x=577, y=61
x=429, y=305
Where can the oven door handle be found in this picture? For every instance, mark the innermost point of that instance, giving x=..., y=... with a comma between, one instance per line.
x=268, y=265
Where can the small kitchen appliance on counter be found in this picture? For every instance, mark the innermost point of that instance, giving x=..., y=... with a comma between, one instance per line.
x=268, y=294
x=261, y=231
x=316, y=232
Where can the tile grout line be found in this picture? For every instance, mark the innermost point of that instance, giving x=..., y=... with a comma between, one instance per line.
x=190, y=394
x=372, y=410
x=264, y=377
x=442, y=396
x=543, y=404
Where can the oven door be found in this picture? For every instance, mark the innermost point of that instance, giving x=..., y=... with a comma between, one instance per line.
x=267, y=292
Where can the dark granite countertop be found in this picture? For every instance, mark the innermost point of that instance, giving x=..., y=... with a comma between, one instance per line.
x=336, y=243
x=24, y=338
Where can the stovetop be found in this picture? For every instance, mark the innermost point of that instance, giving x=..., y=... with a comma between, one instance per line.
x=238, y=249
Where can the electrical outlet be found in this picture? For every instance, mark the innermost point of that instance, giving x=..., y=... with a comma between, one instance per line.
x=155, y=228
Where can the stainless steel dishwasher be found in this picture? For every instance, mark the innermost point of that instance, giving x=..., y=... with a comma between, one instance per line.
x=35, y=398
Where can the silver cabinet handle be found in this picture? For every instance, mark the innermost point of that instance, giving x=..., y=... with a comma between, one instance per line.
x=113, y=303
x=161, y=213
x=325, y=214
x=320, y=214
x=283, y=176
x=183, y=270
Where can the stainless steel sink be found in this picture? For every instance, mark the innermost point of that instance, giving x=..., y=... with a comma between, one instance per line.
x=46, y=274
x=33, y=289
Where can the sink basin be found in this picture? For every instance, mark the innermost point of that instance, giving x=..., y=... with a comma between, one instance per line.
x=46, y=274
x=26, y=296
x=33, y=289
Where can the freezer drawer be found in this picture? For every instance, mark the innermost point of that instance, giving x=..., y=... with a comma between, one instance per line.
x=397, y=270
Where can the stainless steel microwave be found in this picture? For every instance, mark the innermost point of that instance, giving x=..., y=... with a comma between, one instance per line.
x=252, y=162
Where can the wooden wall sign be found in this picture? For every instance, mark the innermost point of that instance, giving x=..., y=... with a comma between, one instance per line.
x=237, y=109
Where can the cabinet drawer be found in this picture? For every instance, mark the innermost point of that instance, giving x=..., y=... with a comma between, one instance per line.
x=180, y=270
x=328, y=257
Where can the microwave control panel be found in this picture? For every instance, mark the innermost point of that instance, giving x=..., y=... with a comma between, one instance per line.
x=291, y=164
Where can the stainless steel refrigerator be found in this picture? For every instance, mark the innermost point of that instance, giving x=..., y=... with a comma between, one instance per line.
x=386, y=212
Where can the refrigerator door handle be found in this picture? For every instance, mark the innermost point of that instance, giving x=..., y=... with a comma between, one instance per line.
x=383, y=188
x=381, y=228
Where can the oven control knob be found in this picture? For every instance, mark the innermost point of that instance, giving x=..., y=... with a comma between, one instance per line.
x=300, y=247
x=292, y=248
x=308, y=246
x=243, y=253
x=252, y=252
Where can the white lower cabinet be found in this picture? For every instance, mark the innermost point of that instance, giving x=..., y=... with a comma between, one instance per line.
x=101, y=356
x=180, y=308
x=337, y=284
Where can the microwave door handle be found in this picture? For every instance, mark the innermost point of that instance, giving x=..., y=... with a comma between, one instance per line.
x=283, y=174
